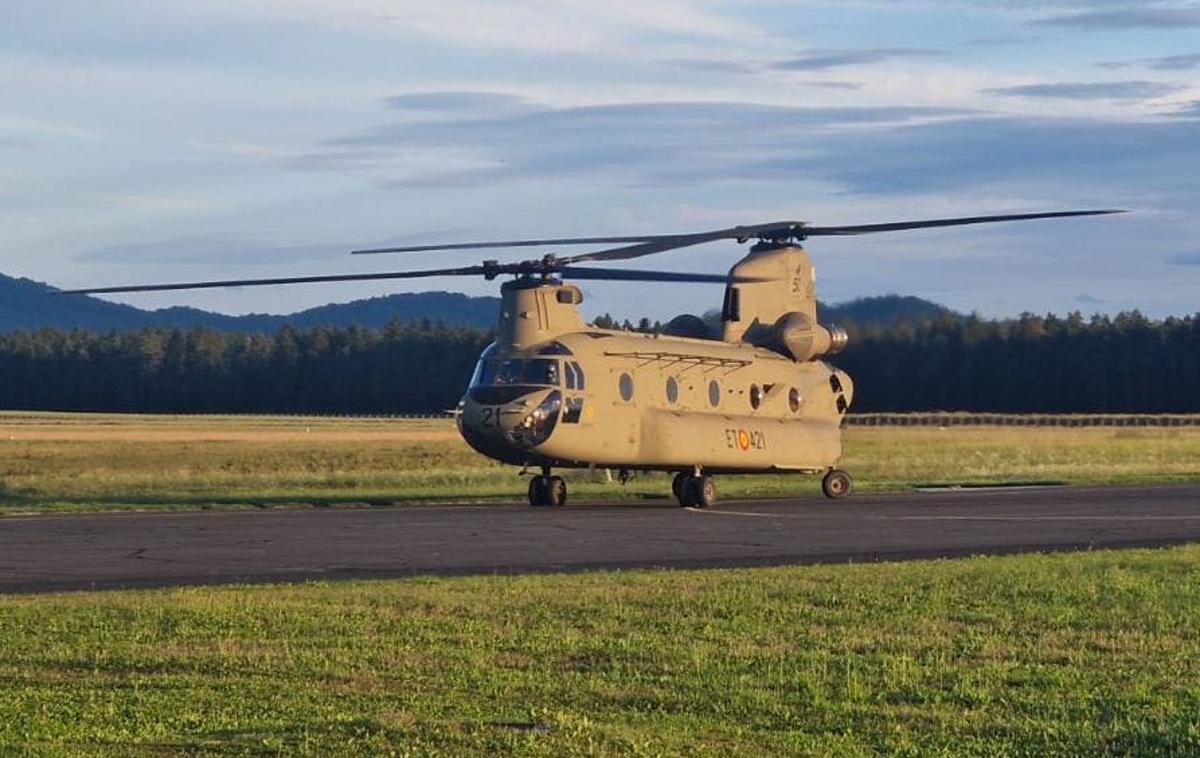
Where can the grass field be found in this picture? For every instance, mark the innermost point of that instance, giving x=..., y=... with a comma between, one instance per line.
x=85, y=461
x=1080, y=654
x=1075, y=654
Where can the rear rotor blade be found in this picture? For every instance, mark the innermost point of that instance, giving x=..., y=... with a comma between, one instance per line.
x=832, y=231
x=637, y=246
x=465, y=271
x=675, y=242
x=797, y=230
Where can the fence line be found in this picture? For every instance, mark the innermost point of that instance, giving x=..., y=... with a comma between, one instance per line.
x=948, y=418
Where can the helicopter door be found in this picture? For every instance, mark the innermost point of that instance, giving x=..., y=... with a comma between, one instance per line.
x=575, y=385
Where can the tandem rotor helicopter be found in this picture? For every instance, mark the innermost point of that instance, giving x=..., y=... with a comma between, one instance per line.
x=553, y=392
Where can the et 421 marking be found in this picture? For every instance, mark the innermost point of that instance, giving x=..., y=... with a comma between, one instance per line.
x=743, y=439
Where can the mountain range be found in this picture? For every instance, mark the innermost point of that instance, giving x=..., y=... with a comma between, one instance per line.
x=26, y=304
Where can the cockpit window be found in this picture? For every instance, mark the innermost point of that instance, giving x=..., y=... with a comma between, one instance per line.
x=554, y=348
x=575, y=379
x=732, y=308
x=542, y=372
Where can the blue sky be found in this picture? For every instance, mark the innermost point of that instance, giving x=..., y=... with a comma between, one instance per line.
x=146, y=142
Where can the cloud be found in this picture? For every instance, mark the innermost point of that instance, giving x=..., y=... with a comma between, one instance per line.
x=522, y=26
x=1166, y=63
x=1001, y=40
x=706, y=65
x=202, y=250
x=825, y=84
x=821, y=60
x=208, y=250
x=165, y=203
x=1191, y=110
x=640, y=143
x=1126, y=18
x=861, y=152
x=1129, y=90
x=1118, y=163
x=1186, y=259
x=458, y=102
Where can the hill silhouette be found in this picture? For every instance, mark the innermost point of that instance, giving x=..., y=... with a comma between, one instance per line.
x=884, y=310
x=26, y=304
x=29, y=305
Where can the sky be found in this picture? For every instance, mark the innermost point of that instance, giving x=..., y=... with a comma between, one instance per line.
x=144, y=141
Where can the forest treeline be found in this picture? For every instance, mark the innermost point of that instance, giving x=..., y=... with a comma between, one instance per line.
x=397, y=369
x=1122, y=364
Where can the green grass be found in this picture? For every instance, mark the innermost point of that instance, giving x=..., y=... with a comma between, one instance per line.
x=1081, y=654
x=52, y=462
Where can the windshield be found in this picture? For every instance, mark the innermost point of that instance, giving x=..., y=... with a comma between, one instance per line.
x=531, y=371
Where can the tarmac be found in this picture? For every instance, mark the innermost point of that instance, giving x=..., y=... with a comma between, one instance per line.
x=170, y=548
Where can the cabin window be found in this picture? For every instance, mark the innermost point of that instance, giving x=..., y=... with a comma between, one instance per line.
x=672, y=390
x=625, y=385
x=579, y=381
x=732, y=309
x=756, y=396
x=794, y=399
x=835, y=384
x=714, y=393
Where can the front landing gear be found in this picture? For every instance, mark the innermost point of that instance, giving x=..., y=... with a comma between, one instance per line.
x=837, y=484
x=694, y=491
x=546, y=490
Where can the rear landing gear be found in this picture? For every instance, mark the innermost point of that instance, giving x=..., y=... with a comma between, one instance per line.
x=547, y=491
x=837, y=484
x=694, y=491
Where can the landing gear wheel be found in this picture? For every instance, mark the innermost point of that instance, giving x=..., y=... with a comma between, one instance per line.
x=837, y=484
x=538, y=490
x=556, y=492
x=686, y=493
x=697, y=491
x=547, y=491
x=705, y=490
x=677, y=485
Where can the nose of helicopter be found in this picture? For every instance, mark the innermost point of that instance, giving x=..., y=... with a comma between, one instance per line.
x=505, y=424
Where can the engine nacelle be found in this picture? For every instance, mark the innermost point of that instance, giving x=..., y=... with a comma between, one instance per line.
x=798, y=336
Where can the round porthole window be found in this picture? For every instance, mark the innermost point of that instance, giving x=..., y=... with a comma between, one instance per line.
x=672, y=390
x=714, y=393
x=625, y=384
x=794, y=399
x=756, y=396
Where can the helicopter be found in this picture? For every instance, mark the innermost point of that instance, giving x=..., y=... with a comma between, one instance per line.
x=554, y=392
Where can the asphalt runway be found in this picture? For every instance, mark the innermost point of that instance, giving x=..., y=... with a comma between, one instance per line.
x=49, y=553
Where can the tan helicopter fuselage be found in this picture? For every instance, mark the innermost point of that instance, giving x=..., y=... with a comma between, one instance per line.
x=553, y=391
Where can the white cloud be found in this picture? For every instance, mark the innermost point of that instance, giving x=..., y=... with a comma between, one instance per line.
x=540, y=26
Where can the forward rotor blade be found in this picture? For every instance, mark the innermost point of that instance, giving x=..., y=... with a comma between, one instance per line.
x=625, y=275
x=833, y=231
x=465, y=271
x=509, y=243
